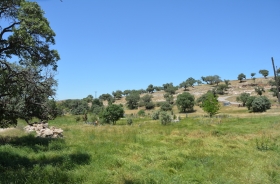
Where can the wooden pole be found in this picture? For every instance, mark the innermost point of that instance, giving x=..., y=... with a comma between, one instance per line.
x=276, y=80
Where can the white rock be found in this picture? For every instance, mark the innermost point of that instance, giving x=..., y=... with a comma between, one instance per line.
x=59, y=131
x=45, y=125
x=48, y=132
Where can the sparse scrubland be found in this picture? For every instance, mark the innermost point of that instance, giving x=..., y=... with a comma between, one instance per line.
x=165, y=134
x=233, y=146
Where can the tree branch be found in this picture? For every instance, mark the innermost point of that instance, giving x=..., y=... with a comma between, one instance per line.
x=8, y=29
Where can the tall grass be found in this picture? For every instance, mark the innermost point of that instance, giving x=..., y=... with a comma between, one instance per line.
x=195, y=150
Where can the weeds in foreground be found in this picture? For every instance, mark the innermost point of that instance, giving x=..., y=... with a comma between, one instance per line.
x=195, y=150
x=266, y=142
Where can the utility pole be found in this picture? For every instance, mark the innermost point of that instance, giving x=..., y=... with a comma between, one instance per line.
x=276, y=80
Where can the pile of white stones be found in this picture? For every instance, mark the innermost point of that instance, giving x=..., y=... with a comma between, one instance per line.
x=43, y=130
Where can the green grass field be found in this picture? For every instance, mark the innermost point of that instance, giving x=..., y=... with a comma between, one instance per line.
x=195, y=150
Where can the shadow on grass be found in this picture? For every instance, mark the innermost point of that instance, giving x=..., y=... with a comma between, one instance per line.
x=28, y=140
x=13, y=160
x=17, y=166
x=37, y=144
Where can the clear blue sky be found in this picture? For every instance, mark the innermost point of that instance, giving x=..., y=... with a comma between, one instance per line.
x=109, y=45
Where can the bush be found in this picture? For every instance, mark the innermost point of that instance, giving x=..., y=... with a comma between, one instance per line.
x=159, y=104
x=141, y=112
x=166, y=106
x=93, y=118
x=261, y=104
x=155, y=115
x=249, y=102
x=95, y=109
x=78, y=118
x=165, y=118
x=129, y=121
x=150, y=105
x=79, y=110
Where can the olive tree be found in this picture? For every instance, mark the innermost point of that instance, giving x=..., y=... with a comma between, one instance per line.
x=191, y=81
x=241, y=76
x=150, y=88
x=132, y=100
x=146, y=101
x=253, y=76
x=184, y=85
x=212, y=79
x=243, y=97
x=185, y=101
x=264, y=73
x=107, y=97
x=117, y=94
x=260, y=104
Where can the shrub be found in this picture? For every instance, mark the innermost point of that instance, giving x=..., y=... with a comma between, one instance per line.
x=261, y=104
x=259, y=90
x=93, y=118
x=129, y=121
x=79, y=110
x=95, y=109
x=159, y=104
x=243, y=98
x=267, y=103
x=166, y=106
x=150, y=105
x=265, y=143
x=249, y=101
x=155, y=115
x=165, y=118
x=78, y=118
x=141, y=112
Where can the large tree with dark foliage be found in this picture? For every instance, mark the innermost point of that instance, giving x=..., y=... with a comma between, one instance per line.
x=146, y=101
x=212, y=79
x=27, y=84
x=241, y=77
x=132, y=100
x=107, y=97
x=185, y=101
x=264, y=73
x=112, y=113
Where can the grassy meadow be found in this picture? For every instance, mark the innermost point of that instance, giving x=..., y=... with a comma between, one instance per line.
x=228, y=149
